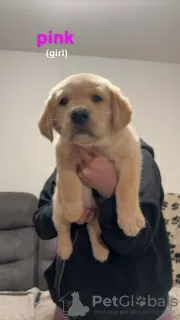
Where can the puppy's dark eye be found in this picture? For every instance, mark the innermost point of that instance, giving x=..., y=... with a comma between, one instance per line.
x=63, y=101
x=96, y=98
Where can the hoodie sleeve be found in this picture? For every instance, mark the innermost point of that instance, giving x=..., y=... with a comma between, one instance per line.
x=151, y=197
x=43, y=216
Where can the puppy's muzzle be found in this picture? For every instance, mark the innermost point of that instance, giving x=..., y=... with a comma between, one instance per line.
x=79, y=116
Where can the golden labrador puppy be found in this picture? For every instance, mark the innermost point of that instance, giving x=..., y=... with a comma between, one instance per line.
x=88, y=110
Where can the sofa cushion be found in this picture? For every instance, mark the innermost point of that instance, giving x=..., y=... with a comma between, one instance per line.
x=18, y=240
x=18, y=275
x=16, y=209
x=16, y=244
x=46, y=254
x=171, y=211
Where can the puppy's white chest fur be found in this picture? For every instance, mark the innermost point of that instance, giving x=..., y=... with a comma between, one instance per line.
x=88, y=199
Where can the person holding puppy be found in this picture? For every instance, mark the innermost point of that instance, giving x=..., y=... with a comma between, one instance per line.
x=135, y=281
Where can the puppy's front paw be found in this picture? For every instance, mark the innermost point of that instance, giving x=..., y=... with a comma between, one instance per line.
x=64, y=251
x=73, y=212
x=131, y=225
x=101, y=253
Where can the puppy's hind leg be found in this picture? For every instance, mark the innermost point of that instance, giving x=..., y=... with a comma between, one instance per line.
x=100, y=251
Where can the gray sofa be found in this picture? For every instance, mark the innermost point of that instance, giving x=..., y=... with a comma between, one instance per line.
x=23, y=260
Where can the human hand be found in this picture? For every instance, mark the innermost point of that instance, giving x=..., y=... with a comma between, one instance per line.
x=97, y=172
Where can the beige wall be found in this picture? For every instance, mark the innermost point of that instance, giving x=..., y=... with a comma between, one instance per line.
x=27, y=159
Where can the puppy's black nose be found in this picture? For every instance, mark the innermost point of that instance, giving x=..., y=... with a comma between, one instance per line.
x=79, y=116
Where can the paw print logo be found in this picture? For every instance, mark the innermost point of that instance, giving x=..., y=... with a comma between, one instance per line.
x=141, y=301
x=178, y=279
x=164, y=205
x=177, y=257
x=175, y=206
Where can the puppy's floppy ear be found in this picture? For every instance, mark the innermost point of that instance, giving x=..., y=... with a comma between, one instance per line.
x=121, y=109
x=45, y=122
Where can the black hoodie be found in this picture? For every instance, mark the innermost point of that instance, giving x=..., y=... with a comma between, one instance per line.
x=134, y=282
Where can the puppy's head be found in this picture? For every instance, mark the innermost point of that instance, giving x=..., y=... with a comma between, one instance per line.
x=84, y=108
